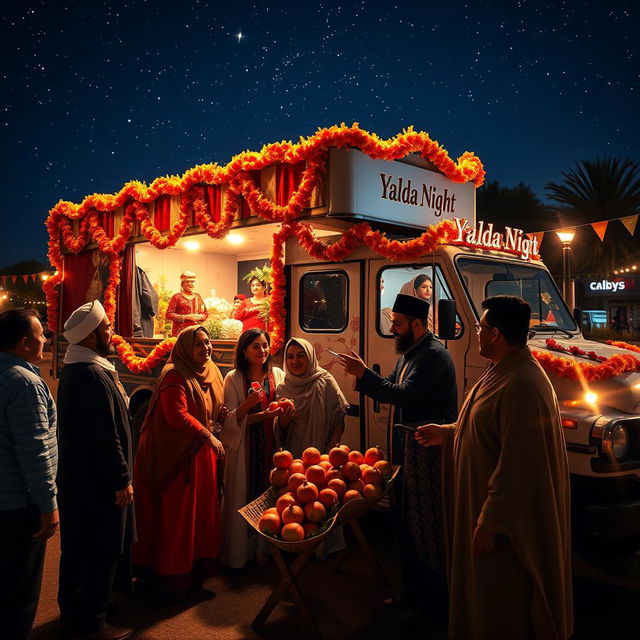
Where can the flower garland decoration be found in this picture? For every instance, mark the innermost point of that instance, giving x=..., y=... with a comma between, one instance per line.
x=138, y=364
x=624, y=345
x=313, y=150
x=566, y=368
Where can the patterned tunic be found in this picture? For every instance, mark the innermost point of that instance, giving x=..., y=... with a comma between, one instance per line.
x=180, y=306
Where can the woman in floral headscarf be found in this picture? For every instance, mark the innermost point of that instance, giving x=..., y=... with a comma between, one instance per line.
x=175, y=475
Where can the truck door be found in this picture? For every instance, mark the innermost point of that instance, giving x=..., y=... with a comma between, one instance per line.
x=385, y=280
x=326, y=304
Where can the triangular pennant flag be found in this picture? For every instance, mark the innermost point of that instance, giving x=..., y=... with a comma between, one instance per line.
x=33, y=276
x=630, y=223
x=600, y=228
x=536, y=236
x=13, y=279
x=4, y=279
x=25, y=278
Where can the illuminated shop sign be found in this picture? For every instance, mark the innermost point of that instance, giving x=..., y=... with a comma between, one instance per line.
x=618, y=287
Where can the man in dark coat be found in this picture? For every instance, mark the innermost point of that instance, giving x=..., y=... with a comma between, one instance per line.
x=94, y=482
x=422, y=384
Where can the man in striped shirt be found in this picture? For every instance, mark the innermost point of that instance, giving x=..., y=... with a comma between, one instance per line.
x=28, y=461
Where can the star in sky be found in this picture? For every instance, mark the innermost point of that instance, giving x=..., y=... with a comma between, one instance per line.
x=239, y=35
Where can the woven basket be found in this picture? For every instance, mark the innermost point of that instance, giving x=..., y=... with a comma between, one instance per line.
x=339, y=516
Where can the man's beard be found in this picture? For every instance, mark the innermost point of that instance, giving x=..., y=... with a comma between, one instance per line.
x=103, y=348
x=404, y=341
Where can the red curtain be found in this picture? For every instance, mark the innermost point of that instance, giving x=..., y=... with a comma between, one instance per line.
x=288, y=177
x=245, y=211
x=162, y=213
x=84, y=278
x=213, y=198
x=124, y=311
x=108, y=223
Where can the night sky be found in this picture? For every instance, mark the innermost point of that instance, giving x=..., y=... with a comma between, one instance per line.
x=95, y=94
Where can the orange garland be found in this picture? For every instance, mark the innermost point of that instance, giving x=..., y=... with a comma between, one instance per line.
x=138, y=364
x=573, y=370
x=312, y=150
x=624, y=345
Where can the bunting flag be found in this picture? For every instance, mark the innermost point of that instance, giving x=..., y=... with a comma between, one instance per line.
x=630, y=223
x=4, y=279
x=600, y=228
x=536, y=236
x=13, y=279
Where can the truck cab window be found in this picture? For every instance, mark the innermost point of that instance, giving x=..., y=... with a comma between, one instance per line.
x=323, y=301
x=411, y=280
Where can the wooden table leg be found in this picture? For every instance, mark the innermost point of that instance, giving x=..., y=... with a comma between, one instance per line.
x=287, y=581
x=364, y=545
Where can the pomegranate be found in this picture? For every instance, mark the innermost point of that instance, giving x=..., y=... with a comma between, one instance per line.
x=351, y=495
x=373, y=455
x=296, y=466
x=338, y=485
x=325, y=464
x=328, y=497
x=356, y=456
x=292, y=532
x=310, y=456
x=270, y=524
x=315, y=473
x=295, y=480
x=307, y=492
x=273, y=406
x=372, y=491
x=282, y=459
x=271, y=510
x=345, y=447
x=338, y=456
x=315, y=511
x=385, y=468
x=371, y=475
x=285, y=501
x=324, y=457
x=293, y=513
x=351, y=471
x=279, y=477
x=357, y=485
x=334, y=472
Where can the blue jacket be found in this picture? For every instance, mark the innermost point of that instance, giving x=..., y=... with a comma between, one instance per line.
x=28, y=445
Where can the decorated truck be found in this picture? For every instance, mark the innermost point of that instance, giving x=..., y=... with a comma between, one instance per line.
x=346, y=220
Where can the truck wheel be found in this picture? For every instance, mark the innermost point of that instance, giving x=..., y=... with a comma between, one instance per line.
x=136, y=422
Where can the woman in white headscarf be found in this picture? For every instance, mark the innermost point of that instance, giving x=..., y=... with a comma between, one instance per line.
x=320, y=406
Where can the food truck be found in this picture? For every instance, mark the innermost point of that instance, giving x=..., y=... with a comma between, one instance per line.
x=346, y=221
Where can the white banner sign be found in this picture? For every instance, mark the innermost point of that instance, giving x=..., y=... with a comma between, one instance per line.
x=394, y=192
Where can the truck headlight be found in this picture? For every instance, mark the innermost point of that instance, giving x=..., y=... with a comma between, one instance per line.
x=615, y=442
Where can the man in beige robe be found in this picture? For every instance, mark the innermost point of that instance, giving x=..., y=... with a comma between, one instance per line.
x=506, y=493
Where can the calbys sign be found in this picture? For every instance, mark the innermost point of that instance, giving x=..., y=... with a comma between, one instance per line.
x=484, y=236
x=623, y=287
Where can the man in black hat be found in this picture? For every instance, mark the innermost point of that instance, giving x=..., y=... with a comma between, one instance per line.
x=422, y=385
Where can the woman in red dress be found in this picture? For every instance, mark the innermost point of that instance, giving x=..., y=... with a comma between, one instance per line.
x=175, y=470
x=251, y=309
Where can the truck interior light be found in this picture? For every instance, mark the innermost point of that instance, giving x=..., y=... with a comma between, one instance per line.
x=569, y=423
x=191, y=245
x=590, y=397
x=235, y=238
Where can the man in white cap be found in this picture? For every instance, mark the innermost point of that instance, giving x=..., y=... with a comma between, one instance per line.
x=94, y=477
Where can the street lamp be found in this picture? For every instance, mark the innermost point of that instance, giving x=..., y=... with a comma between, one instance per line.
x=566, y=236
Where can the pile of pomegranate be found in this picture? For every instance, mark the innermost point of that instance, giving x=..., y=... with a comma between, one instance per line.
x=311, y=488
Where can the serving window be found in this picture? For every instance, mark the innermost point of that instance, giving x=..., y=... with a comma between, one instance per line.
x=323, y=301
x=419, y=281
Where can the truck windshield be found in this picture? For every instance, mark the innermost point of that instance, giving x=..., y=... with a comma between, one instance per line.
x=485, y=278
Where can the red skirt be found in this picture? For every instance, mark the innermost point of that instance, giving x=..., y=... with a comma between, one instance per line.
x=179, y=531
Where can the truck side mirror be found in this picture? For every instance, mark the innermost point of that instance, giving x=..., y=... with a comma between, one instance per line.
x=583, y=320
x=446, y=319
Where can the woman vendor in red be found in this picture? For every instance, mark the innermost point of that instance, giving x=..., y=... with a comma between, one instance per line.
x=251, y=311
x=175, y=470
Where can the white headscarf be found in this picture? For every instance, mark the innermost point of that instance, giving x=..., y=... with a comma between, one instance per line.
x=408, y=289
x=318, y=399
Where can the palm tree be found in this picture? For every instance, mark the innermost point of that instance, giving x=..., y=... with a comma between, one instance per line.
x=594, y=191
